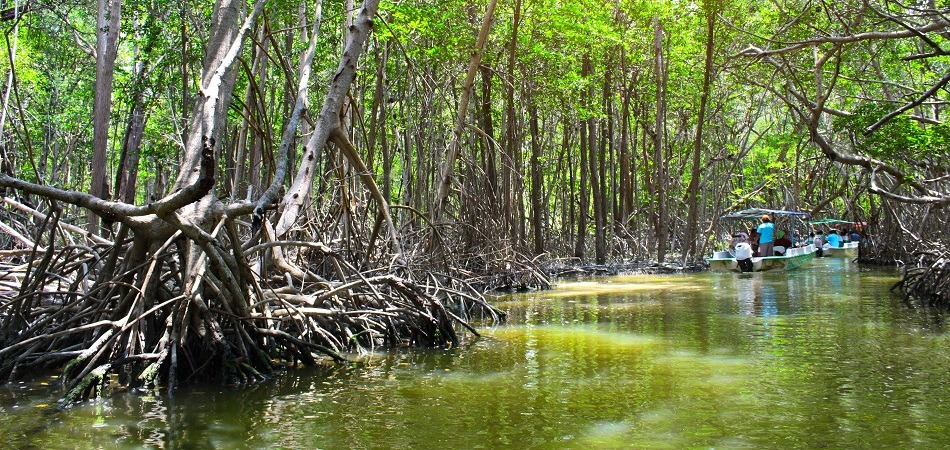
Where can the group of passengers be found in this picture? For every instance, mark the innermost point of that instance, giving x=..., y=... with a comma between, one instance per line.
x=761, y=241
x=766, y=241
x=833, y=238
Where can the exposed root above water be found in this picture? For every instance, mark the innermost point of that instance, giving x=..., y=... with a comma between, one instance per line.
x=159, y=314
x=928, y=278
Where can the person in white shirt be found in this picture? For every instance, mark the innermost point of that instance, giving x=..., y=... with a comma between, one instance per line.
x=744, y=256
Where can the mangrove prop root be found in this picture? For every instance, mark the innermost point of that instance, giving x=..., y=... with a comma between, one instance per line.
x=189, y=307
x=928, y=278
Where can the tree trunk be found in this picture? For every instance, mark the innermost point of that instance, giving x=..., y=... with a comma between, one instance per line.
x=584, y=195
x=247, y=171
x=107, y=37
x=597, y=180
x=512, y=174
x=537, y=212
x=490, y=164
x=184, y=11
x=378, y=107
x=187, y=211
x=127, y=174
x=625, y=156
x=694, y=199
x=583, y=206
x=659, y=156
x=610, y=175
x=444, y=182
x=256, y=178
x=298, y=195
x=387, y=153
x=131, y=146
x=570, y=183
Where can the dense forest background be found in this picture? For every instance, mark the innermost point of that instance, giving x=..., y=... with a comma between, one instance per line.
x=599, y=130
x=188, y=154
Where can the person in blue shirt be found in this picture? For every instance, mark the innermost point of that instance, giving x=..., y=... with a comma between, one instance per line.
x=855, y=237
x=833, y=239
x=766, y=232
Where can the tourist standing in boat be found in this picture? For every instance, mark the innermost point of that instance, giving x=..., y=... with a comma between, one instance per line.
x=833, y=239
x=766, y=232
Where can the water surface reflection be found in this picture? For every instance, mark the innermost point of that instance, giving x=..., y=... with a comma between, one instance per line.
x=821, y=357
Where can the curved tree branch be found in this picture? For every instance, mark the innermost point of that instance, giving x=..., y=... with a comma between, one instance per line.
x=755, y=52
x=923, y=97
x=809, y=112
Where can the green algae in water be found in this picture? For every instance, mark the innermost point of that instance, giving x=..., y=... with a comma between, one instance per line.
x=821, y=357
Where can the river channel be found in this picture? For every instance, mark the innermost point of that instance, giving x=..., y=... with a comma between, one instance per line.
x=822, y=357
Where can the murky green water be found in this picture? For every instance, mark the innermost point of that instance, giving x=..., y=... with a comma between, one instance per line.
x=822, y=357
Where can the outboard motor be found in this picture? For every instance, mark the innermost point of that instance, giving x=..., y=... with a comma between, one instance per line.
x=744, y=256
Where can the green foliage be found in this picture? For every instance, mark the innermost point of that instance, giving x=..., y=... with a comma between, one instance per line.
x=900, y=139
x=430, y=44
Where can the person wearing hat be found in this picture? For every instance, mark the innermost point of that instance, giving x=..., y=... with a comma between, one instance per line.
x=766, y=232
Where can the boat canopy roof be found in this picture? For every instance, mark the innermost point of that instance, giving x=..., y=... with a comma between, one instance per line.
x=828, y=221
x=756, y=213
